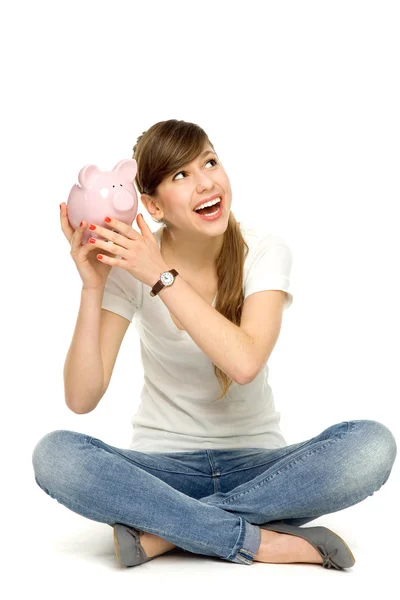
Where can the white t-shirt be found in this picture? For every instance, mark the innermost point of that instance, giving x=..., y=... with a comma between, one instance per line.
x=179, y=410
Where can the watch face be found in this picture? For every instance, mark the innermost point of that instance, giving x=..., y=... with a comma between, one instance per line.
x=167, y=278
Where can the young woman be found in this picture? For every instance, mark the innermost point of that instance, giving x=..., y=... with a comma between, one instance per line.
x=208, y=469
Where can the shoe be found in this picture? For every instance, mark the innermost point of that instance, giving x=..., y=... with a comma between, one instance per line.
x=334, y=551
x=128, y=547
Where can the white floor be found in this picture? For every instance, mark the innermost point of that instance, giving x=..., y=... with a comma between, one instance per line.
x=51, y=552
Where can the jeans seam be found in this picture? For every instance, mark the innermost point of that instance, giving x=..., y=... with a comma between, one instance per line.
x=247, y=555
x=242, y=554
x=268, y=478
x=237, y=553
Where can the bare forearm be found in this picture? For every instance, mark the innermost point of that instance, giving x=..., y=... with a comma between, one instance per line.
x=221, y=340
x=83, y=369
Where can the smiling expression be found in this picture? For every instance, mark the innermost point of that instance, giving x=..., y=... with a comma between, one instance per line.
x=180, y=192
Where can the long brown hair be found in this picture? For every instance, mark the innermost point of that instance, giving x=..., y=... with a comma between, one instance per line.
x=159, y=152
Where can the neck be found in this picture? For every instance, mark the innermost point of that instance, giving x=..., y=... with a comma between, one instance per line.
x=192, y=254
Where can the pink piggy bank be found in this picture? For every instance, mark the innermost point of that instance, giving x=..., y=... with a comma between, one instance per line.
x=101, y=194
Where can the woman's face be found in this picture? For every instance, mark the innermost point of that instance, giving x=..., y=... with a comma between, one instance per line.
x=180, y=192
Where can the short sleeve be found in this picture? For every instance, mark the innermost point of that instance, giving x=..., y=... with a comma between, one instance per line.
x=122, y=293
x=269, y=268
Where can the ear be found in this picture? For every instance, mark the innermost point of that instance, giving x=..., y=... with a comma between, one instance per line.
x=145, y=199
x=151, y=206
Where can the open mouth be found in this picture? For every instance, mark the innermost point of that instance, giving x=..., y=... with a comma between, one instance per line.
x=210, y=213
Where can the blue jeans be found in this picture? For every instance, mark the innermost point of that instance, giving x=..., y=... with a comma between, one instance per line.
x=212, y=502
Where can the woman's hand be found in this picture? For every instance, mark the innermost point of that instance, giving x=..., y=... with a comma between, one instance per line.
x=140, y=253
x=93, y=272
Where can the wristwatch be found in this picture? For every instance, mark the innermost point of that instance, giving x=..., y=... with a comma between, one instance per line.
x=166, y=279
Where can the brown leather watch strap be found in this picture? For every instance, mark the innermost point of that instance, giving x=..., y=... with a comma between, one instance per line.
x=159, y=285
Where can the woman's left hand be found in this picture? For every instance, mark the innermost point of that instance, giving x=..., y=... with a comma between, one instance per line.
x=140, y=253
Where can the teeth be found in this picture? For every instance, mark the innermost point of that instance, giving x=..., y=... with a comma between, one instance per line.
x=211, y=203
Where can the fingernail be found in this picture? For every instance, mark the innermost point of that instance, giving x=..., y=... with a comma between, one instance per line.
x=80, y=224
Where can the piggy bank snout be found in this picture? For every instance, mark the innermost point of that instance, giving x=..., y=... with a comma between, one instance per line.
x=123, y=201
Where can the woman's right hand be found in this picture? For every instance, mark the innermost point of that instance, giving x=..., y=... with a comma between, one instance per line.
x=92, y=271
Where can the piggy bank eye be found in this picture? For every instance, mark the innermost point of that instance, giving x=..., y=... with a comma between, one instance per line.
x=119, y=184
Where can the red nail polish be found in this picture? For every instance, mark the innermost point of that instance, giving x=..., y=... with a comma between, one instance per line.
x=80, y=224
x=108, y=220
x=92, y=241
x=92, y=227
x=99, y=256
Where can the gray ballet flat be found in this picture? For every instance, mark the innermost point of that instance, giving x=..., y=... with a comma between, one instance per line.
x=128, y=547
x=334, y=551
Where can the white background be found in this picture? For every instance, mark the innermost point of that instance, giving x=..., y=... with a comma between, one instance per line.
x=301, y=101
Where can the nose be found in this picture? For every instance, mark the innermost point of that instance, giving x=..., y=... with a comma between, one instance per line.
x=204, y=182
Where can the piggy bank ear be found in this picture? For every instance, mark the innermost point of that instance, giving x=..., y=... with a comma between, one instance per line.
x=87, y=175
x=126, y=168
